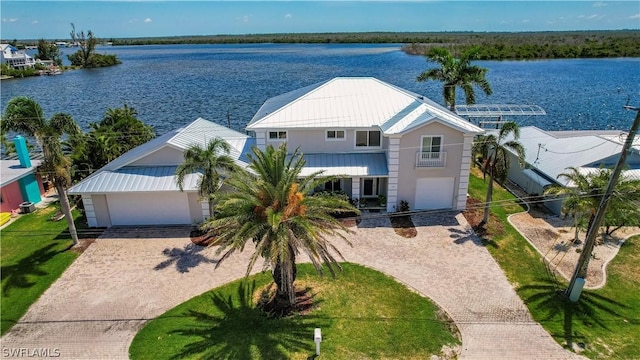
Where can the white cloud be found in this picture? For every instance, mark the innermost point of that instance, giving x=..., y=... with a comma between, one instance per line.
x=9, y=20
x=599, y=4
x=147, y=20
x=35, y=22
x=591, y=17
x=635, y=16
x=525, y=21
x=245, y=18
x=288, y=16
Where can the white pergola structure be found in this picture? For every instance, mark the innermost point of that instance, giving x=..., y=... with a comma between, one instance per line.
x=494, y=113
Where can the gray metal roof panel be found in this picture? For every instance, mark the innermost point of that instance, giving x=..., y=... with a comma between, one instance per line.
x=11, y=170
x=552, y=155
x=136, y=179
x=351, y=164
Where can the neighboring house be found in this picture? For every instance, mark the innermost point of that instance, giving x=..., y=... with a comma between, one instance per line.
x=550, y=153
x=17, y=59
x=19, y=181
x=383, y=141
x=139, y=187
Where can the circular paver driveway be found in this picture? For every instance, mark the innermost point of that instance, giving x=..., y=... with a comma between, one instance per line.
x=131, y=275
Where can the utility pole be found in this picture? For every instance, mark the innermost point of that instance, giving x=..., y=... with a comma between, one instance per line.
x=583, y=262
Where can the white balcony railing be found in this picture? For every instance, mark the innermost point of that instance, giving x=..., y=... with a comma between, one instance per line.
x=431, y=159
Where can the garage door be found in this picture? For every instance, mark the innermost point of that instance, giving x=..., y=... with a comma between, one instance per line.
x=149, y=209
x=434, y=193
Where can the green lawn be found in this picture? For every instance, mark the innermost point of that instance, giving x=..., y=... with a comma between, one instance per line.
x=363, y=314
x=34, y=253
x=605, y=322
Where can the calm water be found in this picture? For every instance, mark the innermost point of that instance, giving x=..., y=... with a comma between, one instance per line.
x=172, y=85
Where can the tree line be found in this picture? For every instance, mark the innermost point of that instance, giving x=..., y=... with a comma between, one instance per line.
x=494, y=45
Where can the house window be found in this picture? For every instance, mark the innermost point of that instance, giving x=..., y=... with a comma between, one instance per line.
x=333, y=186
x=370, y=187
x=335, y=135
x=277, y=135
x=431, y=147
x=368, y=138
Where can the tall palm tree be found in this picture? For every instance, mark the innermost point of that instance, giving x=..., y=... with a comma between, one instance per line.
x=495, y=152
x=456, y=73
x=275, y=210
x=208, y=160
x=26, y=116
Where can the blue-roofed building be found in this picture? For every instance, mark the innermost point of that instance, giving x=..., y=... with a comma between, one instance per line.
x=383, y=142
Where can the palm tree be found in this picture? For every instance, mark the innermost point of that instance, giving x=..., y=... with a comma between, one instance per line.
x=274, y=210
x=456, y=73
x=26, y=116
x=495, y=152
x=579, y=199
x=208, y=160
x=584, y=192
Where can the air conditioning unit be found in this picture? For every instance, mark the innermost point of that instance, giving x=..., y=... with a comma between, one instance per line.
x=27, y=207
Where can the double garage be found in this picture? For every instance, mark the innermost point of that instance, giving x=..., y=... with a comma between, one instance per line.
x=154, y=208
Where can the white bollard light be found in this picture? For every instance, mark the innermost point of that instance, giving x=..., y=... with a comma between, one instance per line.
x=317, y=338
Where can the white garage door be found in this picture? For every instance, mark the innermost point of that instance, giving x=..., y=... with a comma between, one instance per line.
x=434, y=193
x=149, y=209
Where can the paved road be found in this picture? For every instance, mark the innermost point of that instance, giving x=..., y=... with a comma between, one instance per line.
x=129, y=276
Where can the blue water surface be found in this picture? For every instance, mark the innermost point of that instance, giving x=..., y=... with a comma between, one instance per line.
x=172, y=85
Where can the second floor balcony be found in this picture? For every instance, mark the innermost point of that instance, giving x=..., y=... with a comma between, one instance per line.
x=428, y=159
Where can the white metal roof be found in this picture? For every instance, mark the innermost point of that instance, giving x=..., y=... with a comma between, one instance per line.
x=352, y=164
x=135, y=179
x=11, y=170
x=358, y=102
x=199, y=132
x=552, y=155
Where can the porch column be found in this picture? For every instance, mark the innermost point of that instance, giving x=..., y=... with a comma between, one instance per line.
x=89, y=211
x=205, y=209
x=261, y=140
x=355, y=187
x=463, y=181
x=393, y=159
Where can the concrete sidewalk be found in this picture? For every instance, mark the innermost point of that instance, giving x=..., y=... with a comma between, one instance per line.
x=130, y=276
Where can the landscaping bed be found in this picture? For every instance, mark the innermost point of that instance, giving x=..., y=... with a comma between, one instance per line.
x=363, y=314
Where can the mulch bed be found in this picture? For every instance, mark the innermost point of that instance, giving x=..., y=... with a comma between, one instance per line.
x=403, y=226
x=474, y=214
x=201, y=238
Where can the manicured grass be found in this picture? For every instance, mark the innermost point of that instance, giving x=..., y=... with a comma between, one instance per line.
x=34, y=254
x=363, y=314
x=603, y=324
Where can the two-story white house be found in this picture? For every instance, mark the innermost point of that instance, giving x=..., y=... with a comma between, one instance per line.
x=17, y=59
x=377, y=138
x=383, y=139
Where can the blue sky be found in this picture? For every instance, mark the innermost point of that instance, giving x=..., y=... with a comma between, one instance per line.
x=51, y=19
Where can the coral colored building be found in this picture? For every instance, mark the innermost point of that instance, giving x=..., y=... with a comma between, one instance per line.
x=18, y=180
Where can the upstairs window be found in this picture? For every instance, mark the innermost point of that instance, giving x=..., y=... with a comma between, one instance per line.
x=431, y=146
x=277, y=135
x=368, y=138
x=335, y=135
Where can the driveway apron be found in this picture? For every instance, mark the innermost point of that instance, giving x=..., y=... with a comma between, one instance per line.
x=132, y=275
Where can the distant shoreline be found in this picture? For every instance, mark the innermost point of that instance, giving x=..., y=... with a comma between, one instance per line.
x=494, y=45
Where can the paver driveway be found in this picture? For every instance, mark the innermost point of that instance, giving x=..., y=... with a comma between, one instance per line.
x=95, y=309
